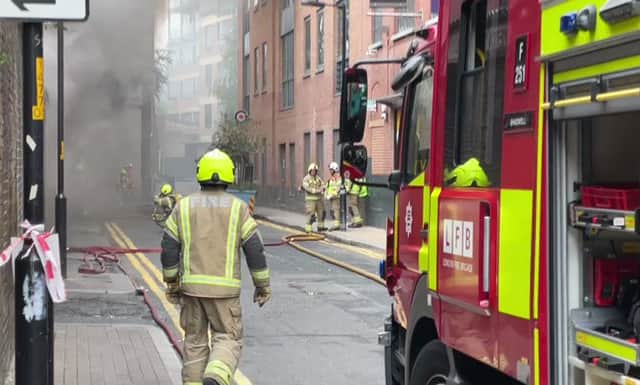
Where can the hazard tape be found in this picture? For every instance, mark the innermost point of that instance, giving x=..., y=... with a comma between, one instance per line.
x=252, y=204
x=47, y=247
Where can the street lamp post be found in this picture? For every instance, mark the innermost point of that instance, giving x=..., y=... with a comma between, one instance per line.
x=341, y=5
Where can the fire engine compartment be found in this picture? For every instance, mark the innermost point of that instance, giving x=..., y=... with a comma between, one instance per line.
x=595, y=248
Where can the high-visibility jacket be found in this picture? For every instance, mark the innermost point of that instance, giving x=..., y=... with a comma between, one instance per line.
x=210, y=227
x=333, y=186
x=364, y=191
x=312, y=186
x=356, y=189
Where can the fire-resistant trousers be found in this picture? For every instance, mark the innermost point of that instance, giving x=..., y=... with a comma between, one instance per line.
x=219, y=357
x=314, y=207
x=335, y=211
x=354, y=207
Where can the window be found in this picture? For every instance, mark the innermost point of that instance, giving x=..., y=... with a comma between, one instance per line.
x=475, y=86
x=320, y=149
x=341, y=40
x=208, y=116
x=211, y=35
x=307, y=45
x=188, y=26
x=256, y=54
x=265, y=55
x=336, y=146
x=190, y=118
x=307, y=149
x=246, y=83
x=188, y=54
x=287, y=70
x=263, y=174
x=188, y=88
x=418, y=133
x=175, y=29
x=292, y=168
x=377, y=29
x=226, y=29
x=208, y=79
x=283, y=164
x=407, y=23
x=286, y=3
x=174, y=89
x=320, y=18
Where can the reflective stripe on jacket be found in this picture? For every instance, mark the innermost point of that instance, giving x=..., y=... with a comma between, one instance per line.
x=210, y=227
x=333, y=187
x=312, y=186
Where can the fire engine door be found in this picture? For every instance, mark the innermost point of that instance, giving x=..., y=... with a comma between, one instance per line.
x=413, y=199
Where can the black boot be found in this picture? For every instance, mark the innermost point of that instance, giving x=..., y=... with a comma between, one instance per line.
x=209, y=381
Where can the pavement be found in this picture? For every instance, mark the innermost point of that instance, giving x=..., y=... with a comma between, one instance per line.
x=104, y=334
x=366, y=236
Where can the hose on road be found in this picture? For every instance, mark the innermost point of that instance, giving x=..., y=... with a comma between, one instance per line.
x=293, y=239
x=101, y=255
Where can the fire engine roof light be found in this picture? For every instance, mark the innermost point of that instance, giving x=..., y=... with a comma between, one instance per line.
x=615, y=11
x=569, y=23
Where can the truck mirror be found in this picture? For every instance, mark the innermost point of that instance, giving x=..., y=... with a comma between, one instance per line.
x=354, y=161
x=395, y=180
x=353, y=105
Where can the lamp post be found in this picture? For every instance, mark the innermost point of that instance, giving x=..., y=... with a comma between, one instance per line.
x=342, y=5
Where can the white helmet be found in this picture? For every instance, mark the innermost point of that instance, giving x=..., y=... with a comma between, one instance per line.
x=333, y=166
x=312, y=167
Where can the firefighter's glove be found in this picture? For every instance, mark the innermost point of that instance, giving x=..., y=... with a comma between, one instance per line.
x=262, y=295
x=173, y=292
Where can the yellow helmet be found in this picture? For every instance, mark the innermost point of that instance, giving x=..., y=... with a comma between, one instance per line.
x=312, y=167
x=468, y=174
x=215, y=167
x=166, y=189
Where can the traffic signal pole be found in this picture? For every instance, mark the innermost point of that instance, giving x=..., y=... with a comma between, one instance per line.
x=343, y=191
x=33, y=306
x=61, y=200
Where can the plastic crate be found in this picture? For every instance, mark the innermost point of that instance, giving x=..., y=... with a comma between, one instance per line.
x=615, y=197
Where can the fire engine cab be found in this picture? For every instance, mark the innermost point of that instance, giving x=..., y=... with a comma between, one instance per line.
x=514, y=252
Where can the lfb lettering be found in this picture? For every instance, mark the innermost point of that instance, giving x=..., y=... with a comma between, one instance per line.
x=458, y=238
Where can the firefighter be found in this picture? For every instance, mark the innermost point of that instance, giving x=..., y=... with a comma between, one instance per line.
x=313, y=187
x=355, y=191
x=468, y=174
x=332, y=194
x=201, y=266
x=164, y=204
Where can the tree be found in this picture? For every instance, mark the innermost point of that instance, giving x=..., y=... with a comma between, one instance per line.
x=236, y=140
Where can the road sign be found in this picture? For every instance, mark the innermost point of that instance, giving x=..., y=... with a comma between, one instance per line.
x=241, y=116
x=64, y=10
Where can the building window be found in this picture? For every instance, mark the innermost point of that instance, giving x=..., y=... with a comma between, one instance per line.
x=377, y=29
x=188, y=26
x=292, y=168
x=475, y=86
x=287, y=70
x=320, y=150
x=188, y=54
x=283, y=164
x=286, y=3
x=256, y=55
x=341, y=36
x=307, y=45
x=188, y=88
x=208, y=79
x=307, y=149
x=265, y=56
x=320, y=17
x=336, y=146
x=174, y=89
x=175, y=22
x=211, y=35
x=263, y=174
x=208, y=116
x=246, y=83
x=406, y=23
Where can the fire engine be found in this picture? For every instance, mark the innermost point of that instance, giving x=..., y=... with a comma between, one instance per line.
x=514, y=252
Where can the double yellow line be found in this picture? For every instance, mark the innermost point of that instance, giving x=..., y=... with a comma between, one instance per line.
x=152, y=277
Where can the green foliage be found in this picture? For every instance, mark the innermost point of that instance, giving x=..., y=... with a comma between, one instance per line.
x=236, y=140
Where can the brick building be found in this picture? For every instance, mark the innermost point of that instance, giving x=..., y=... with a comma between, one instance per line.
x=291, y=66
x=11, y=174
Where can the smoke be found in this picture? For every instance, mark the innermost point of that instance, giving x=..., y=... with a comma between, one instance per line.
x=108, y=62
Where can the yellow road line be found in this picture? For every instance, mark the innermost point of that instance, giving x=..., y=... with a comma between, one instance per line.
x=356, y=249
x=126, y=242
x=148, y=279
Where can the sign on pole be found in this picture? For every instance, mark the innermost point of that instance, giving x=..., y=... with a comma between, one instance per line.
x=387, y=3
x=49, y=10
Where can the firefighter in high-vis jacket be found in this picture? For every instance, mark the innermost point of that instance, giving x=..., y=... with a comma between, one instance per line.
x=332, y=194
x=163, y=204
x=201, y=266
x=313, y=187
x=355, y=192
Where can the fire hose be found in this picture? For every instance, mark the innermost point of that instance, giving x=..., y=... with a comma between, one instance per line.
x=95, y=258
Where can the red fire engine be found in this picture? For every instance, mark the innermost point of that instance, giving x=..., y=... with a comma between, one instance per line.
x=514, y=253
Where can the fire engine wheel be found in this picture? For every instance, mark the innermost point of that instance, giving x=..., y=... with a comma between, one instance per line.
x=431, y=366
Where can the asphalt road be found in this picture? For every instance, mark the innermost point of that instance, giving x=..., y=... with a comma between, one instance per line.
x=321, y=325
